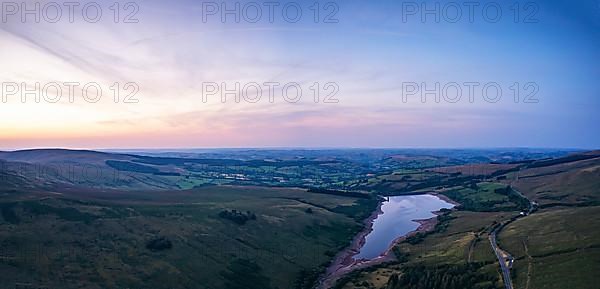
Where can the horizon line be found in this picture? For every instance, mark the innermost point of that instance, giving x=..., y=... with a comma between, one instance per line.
x=284, y=148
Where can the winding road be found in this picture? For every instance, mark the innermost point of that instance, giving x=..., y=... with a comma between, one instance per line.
x=502, y=259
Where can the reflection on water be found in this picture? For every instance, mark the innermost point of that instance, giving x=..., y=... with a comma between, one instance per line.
x=397, y=220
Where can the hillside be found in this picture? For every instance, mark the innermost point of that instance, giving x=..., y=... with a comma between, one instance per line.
x=555, y=247
x=571, y=180
x=174, y=239
x=52, y=169
x=48, y=156
x=124, y=210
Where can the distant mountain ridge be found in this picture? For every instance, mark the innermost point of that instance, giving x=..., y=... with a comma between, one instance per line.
x=52, y=155
x=55, y=168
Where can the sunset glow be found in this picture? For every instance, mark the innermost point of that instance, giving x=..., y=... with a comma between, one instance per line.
x=172, y=52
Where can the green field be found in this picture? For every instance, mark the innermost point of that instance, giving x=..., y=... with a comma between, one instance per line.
x=559, y=248
x=481, y=197
x=81, y=219
x=463, y=241
x=564, y=183
x=62, y=243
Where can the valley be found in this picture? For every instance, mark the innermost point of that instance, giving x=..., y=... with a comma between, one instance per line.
x=141, y=221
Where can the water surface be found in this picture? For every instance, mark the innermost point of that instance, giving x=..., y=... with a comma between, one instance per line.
x=397, y=220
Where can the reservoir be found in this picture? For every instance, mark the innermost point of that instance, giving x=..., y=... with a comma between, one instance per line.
x=396, y=220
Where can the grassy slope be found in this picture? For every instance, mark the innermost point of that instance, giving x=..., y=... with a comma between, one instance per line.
x=564, y=244
x=563, y=241
x=54, y=169
x=189, y=219
x=98, y=244
x=568, y=183
x=561, y=234
x=451, y=246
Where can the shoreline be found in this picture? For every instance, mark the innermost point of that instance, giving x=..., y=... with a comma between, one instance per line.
x=343, y=262
x=445, y=199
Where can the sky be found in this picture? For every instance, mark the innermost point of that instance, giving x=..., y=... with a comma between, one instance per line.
x=527, y=73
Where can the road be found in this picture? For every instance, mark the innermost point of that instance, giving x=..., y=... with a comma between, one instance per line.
x=502, y=260
x=503, y=256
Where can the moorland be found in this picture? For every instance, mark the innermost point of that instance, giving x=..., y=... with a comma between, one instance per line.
x=265, y=219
